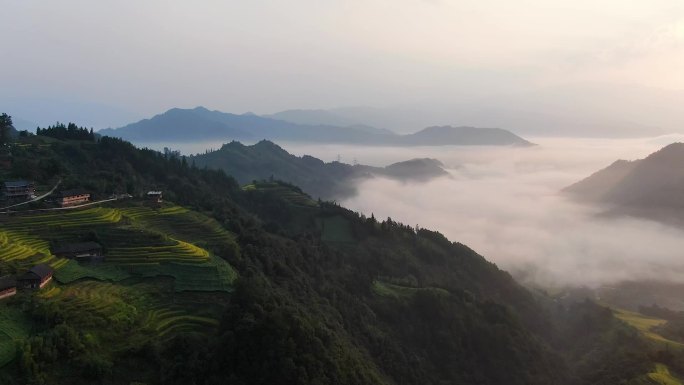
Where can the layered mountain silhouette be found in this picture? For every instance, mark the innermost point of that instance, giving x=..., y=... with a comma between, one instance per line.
x=202, y=124
x=652, y=187
x=334, y=180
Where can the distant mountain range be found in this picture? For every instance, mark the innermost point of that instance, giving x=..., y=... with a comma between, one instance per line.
x=202, y=124
x=652, y=187
x=334, y=180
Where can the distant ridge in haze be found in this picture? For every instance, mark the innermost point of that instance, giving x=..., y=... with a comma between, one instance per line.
x=652, y=187
x=332, y=180
x=201, y=124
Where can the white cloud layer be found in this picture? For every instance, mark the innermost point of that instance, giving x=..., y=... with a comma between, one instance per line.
x=504, y=203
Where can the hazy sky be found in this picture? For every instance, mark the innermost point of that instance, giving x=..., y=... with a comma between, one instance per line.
x=142, y=57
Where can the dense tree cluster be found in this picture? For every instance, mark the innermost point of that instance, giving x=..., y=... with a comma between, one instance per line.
x=70, y=131
x=5, y=127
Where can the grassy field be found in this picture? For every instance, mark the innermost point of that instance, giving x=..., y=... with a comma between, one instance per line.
x=386, y=289
x=662, y=376
x=215, y=275
x=645, y=325
x=73, y=271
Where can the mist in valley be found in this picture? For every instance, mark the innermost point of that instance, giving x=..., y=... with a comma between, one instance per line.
x=506, y=204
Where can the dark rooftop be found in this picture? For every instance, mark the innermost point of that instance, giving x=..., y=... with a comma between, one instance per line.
x=17, y=183
x=41, y=270
x=71, y=193
x=7, y=282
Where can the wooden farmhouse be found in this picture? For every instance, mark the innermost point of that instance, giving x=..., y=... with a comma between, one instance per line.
x=85, y=251
x=36, y=278
x=8, y=286
x=67, y=198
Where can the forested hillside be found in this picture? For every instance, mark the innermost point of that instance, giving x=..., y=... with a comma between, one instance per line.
x=260, y=284
x=652, y=187
x=329, y=181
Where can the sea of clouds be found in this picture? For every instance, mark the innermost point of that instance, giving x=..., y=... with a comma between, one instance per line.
x=506, y=204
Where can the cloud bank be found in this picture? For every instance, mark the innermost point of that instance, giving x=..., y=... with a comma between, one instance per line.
x=504, y=203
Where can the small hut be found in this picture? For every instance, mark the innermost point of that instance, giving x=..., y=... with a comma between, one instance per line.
x=37, y=277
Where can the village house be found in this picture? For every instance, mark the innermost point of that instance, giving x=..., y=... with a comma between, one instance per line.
x=8, y=286
x=19, y=189
x=67, y=198
x=36, y=278
x=84, y=251
x=154, y=196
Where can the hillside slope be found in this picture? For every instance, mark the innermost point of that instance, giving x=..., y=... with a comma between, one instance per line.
x=334, y=180
x=652, y=187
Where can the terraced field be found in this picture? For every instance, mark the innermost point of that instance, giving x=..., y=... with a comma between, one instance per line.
x=102, y=302
x=60, y=220
x=165, y=322
x=180, y=252
x=645, y=325
x=24, y=239
x=179, y=223
x=215, y=275
x=140, y=243
x=662, y=376
x=149, y=242
x=21, y=250
x=72, y=271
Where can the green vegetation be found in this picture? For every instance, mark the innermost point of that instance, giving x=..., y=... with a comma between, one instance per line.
x=335, y=229
x=14, y=327
x=72, y=271
x=386, y=289
x=645, y=325
x=5, y=127
x=70, y=131
x=262, y=285
x=283, y=191
x=662, y=376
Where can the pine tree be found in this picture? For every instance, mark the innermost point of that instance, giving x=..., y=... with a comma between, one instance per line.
x=5, y=126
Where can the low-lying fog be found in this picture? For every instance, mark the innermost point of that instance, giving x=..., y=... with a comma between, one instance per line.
x=505, y=204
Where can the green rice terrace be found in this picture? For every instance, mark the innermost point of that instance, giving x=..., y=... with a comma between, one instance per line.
x=154, y=260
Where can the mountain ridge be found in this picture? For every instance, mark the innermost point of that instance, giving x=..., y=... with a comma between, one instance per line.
x=201, y=123
x=652, y=187
x=333, y=180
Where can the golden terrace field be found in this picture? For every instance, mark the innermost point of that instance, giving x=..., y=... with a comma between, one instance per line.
x=137, y=239
x=154, y=259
